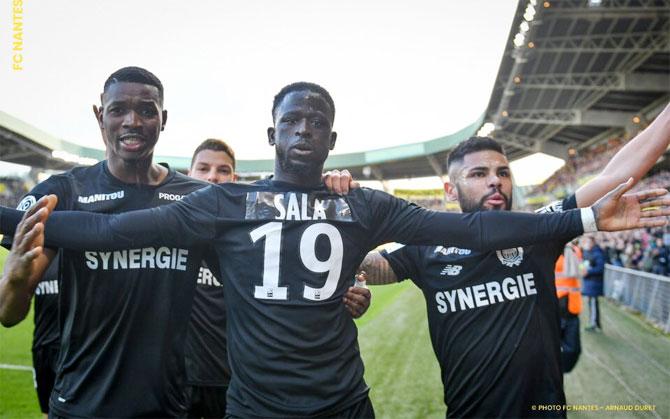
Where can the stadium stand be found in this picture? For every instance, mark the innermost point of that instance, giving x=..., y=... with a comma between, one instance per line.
x=11, y=190
x=577, y=72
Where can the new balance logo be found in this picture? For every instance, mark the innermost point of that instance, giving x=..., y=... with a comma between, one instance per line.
x=451, y=270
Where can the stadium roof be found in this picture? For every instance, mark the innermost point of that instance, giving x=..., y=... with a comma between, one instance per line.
x=576, y=72
x=22, y=143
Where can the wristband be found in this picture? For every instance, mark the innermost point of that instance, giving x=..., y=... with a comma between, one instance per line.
x=588, y=220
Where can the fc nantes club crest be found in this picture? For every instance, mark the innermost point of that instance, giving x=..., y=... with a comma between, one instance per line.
x=510, y=257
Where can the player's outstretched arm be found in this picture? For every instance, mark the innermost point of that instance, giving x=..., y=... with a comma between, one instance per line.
x=633, y=160
x=189, y=222
x=492, y=230
x=616, y=211
x=24, y=265
x=377, y=269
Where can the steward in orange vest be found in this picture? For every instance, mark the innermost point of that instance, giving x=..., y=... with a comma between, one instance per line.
x=567, y=278
x=569, y=295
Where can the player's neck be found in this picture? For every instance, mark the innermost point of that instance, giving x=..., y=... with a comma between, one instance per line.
x=306, y=178
x=142, y=172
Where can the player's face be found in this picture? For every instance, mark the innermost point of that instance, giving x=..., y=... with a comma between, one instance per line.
x=131, y=120
x=213, y=167
x=482, y=182
x=302, y=134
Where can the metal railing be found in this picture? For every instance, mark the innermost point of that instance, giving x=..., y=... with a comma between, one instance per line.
x=645, y=292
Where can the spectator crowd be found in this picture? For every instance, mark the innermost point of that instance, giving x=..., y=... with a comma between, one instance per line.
x=11, y=191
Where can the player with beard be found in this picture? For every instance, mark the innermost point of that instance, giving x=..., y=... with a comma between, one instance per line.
x=207, y=367
x=493, y=316
x=286, y=250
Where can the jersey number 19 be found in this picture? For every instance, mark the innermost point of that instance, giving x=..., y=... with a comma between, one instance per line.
x=270, y=290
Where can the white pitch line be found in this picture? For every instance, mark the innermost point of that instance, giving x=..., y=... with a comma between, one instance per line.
x=16, y=367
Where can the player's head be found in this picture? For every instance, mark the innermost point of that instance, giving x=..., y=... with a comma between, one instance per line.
x=587, y=242
x=479, y=176
x=214, y=162
x=303, y=115
x=131, y=115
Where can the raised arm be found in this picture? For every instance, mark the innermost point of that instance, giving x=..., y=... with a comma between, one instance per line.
x=633, y=160
x=24, y=267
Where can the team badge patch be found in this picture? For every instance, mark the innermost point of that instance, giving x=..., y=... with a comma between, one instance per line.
x=510, y=257
x=26, y=203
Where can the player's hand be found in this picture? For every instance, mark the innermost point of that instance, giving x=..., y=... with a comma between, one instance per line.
x=28, y=241
x=339, y=182
x=357, y=300
x=616, y=211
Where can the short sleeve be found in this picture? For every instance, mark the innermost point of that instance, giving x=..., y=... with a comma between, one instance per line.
x=404, y=260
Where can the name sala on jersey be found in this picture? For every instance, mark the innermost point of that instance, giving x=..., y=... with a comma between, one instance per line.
x=289, y=209
x=145, y=258
x=481, y=295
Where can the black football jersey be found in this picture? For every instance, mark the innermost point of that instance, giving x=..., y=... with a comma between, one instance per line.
x=46, y=307
x=124, y=313
x=206, y=343
x=286, y=256
x=494, y=324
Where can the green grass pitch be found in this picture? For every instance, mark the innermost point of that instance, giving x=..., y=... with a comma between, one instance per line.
x=628, y=364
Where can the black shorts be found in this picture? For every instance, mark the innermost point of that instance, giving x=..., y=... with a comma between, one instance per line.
x=44, y=373
x=360, y=410
x=206, y=401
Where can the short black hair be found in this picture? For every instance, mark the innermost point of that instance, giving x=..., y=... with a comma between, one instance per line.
x=135, y=75
x=214, y=145
x=302, y=86
x=473, y=145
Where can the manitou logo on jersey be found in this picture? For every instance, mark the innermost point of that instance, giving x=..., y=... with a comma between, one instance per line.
x=293, y=206
x=485, y=294
x=452, y=251
x=145, y=258
x=100, y=197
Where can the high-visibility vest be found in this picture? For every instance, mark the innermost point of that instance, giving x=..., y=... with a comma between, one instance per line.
x=567, y=282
